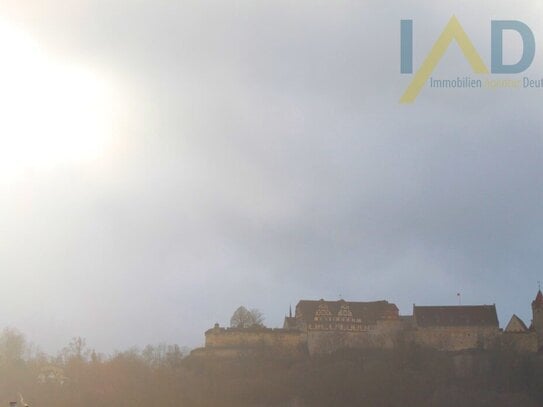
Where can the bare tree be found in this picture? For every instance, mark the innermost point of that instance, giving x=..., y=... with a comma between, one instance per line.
x=76, y=350
x=244, y=318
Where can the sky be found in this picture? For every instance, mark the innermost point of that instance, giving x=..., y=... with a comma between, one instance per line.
x=162, y=163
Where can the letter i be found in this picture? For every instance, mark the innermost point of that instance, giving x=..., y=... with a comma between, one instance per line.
x=406, y=51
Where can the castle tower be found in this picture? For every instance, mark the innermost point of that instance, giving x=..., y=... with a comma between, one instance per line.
x=537, y=318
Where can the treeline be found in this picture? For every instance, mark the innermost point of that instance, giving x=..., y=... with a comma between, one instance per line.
x=163, y=376
x=79, y=376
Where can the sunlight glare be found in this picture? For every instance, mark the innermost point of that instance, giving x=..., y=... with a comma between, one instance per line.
x=51, y=112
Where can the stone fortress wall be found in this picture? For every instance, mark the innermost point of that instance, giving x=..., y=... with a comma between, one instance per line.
x=457, y=338
x=286, y=340
x=519, y=342
x=382, y=335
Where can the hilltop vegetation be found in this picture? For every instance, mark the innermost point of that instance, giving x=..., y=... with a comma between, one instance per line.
x=403, y=377
x=162, y=375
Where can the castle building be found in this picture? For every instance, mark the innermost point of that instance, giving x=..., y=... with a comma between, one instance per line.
x=330, y=325
x=324, y=326
x=342, y=315
x=456, y=327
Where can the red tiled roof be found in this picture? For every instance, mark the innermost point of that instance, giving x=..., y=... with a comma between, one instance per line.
x=459, y=315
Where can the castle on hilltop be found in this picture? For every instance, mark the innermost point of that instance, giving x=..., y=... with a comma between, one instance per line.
x=324, y=326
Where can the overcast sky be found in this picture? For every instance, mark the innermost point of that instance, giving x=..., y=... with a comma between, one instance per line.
x=174, y=160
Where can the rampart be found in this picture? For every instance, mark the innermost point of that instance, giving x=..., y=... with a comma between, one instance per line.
x=254, y=338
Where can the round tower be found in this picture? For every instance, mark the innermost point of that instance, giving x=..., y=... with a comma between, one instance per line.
x=537, y=318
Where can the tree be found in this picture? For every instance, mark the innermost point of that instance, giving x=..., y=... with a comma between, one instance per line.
x=12, y=345
x=76, y=350
x=244, y=318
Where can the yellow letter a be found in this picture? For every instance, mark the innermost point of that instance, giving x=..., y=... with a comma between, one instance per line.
x=453, y=30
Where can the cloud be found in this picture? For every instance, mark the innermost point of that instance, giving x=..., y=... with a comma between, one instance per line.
x=263, y=158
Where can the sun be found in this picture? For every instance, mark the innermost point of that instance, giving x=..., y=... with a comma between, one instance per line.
x=52, y=112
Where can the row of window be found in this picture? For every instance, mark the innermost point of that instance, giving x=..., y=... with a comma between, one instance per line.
x=341, y=327
x=337, y=319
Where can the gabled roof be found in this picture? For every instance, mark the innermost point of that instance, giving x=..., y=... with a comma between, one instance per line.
x=538, y=302
x=368, y=312
x=458, y=315
x=516, y=325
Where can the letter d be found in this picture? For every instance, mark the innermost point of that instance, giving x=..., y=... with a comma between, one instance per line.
x=528, y=50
